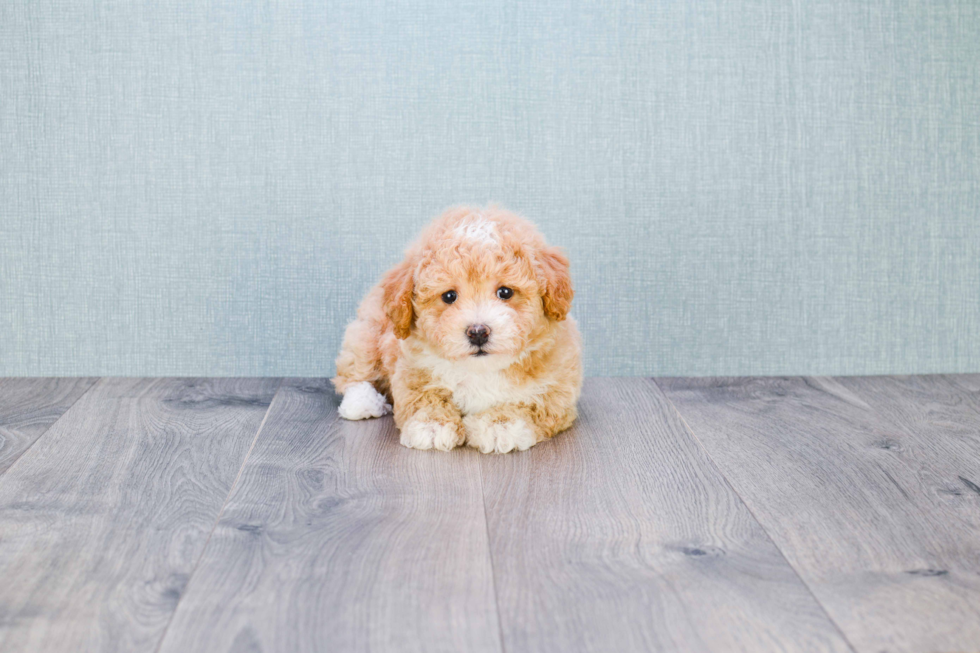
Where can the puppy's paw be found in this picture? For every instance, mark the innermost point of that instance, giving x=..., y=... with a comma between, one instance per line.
x=492, y=435
x=423, y=434
x=362, y=401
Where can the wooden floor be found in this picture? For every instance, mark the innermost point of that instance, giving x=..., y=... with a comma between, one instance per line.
x=749, y=514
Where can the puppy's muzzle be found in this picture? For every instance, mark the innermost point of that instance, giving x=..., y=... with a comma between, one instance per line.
x=478, y=334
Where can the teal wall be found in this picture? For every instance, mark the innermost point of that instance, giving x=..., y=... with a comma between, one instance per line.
x=765, y=187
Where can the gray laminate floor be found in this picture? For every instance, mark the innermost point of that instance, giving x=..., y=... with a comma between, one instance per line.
x=751, y=514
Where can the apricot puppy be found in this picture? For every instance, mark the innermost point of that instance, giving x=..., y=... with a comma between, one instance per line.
x=468, y=337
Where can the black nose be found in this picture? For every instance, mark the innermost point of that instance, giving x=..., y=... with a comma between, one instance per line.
x=478, y=334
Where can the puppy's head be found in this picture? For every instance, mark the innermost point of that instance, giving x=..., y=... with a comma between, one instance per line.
x=479, y=284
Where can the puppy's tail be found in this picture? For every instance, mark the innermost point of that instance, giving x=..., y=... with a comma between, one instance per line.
x=360, y=372
x=359, y=385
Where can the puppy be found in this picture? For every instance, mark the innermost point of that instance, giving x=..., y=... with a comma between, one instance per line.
x=468, y=337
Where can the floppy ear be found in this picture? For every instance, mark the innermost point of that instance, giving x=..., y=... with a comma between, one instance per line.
x=398, y=287
x=557, y=288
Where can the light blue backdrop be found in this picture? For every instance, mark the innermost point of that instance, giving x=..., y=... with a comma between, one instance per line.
x=208, y=187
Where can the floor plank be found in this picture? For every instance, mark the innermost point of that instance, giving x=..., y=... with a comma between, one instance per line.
x=860, y=484
x=28, y=408
x=620, y=535
x=337, y=538
x=936, y=438
x=102, y=520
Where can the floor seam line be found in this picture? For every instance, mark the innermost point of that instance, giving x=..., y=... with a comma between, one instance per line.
x=221, y=512
x=741, y=499
x=493, y=573
x=51, y=426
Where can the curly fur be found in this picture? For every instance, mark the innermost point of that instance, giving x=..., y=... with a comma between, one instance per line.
x=411, y=346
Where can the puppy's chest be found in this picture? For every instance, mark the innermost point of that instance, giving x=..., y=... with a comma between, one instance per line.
x=474, y=392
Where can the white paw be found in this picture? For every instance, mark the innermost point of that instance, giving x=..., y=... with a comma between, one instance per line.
x=362, y=401
x=420, y=434
x=491, y=436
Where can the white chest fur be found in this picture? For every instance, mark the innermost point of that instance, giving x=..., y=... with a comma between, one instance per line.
x=478, y=383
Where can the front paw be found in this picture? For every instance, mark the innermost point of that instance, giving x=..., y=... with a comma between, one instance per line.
x=498, y=435
x=424, y=434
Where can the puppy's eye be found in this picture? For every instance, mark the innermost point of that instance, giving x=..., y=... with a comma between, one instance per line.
x=504, y=292
x=449, y=296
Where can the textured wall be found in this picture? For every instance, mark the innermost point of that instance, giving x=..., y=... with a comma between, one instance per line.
x=208, y=187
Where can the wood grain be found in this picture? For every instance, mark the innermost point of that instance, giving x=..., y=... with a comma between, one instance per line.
x=103, y=519
x=860, y=483
x=620, y=535
x=28, y=408
x=337, y=538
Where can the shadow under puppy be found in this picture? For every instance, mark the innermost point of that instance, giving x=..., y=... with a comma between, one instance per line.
x=468, y=337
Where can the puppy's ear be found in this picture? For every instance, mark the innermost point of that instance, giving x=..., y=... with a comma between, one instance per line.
x=398, y=287
x=557, y=288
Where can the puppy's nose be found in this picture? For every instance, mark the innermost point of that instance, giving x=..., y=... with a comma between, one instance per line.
x=478, y=334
